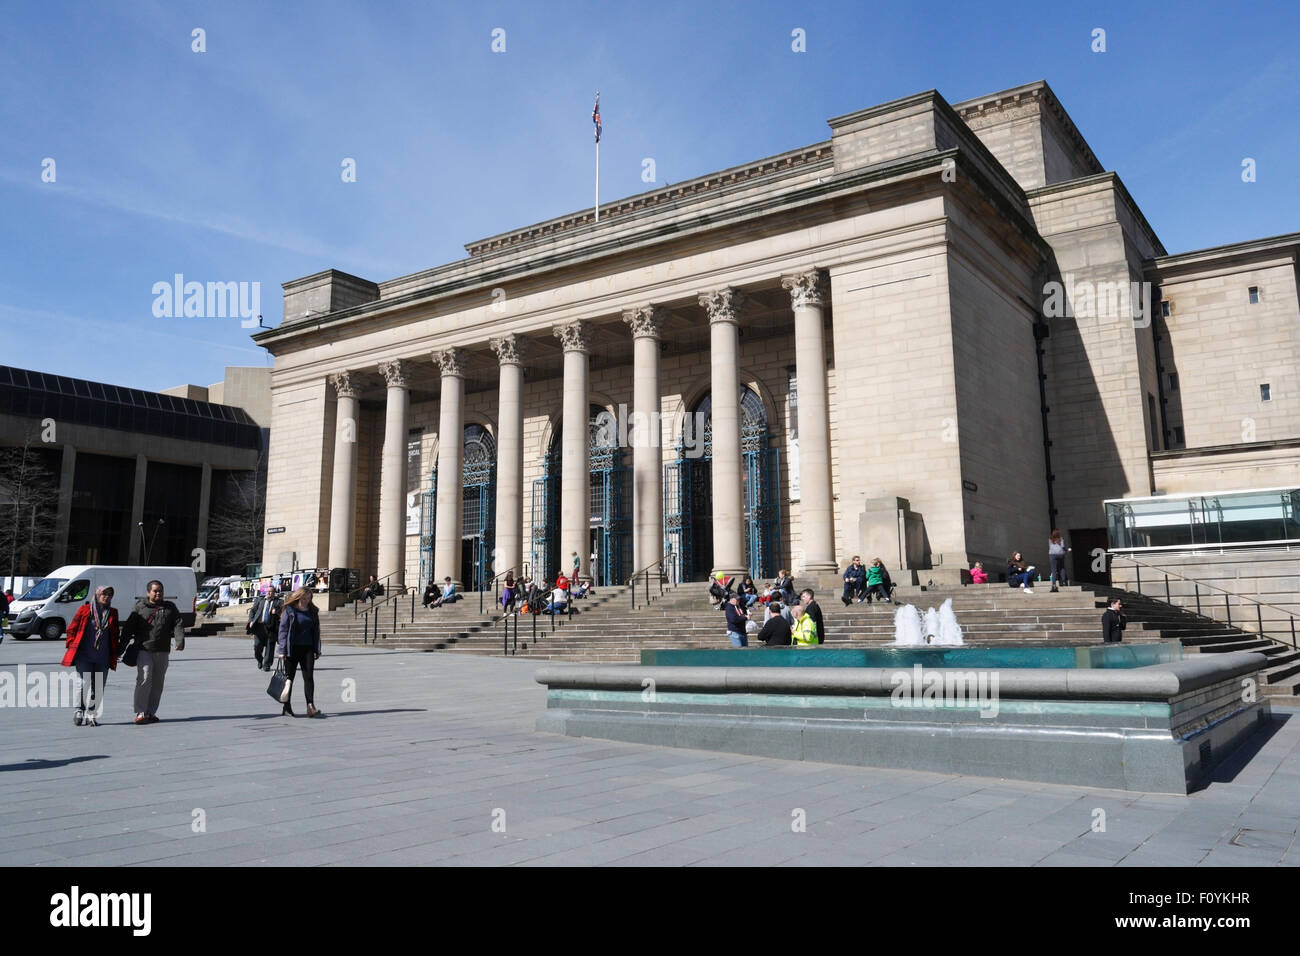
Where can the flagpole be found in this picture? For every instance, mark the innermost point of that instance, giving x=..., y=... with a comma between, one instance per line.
x=595, y=118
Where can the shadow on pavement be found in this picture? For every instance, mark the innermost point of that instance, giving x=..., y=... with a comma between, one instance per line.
x=36, y=763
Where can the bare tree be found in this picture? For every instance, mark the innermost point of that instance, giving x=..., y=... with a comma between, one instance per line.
x=29, y=508
x=238, y=519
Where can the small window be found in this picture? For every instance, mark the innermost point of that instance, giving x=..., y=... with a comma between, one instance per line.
x=1265, y=393
x=76, y=591
x=1178, y=435
x=1173, y=381
x=1254, y=295
x=1164, y=308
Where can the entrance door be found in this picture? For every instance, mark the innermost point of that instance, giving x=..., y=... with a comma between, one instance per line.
x=1088, y=545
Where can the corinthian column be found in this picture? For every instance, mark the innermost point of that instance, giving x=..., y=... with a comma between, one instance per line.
x=343, y=504
x=647, y=324
x=575, y=478
x=808, y=294
x=510, y=455
x=392, y=481
x=451, y=454
x=723, y=307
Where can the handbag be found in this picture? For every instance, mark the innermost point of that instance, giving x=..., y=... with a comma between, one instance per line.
x=131, y=654
x=281, y=684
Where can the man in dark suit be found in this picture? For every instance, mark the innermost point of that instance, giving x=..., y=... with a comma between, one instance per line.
x=1113, y=622
x=264, y=623
x=815, y=612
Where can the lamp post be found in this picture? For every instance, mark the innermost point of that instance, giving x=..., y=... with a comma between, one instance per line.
x=148, y=549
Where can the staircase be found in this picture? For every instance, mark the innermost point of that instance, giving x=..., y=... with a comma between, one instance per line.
x=1281, y=681
x=605, y=629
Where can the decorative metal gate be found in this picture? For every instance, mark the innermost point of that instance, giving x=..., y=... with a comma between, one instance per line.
x=478, y=510
x=688, y=502
x=609, y=518
x=545, y=519
x=428, y=506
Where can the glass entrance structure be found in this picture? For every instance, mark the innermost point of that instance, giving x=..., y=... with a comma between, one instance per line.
x=1260, y=517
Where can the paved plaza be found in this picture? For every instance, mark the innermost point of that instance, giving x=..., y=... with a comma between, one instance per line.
x=436, y=762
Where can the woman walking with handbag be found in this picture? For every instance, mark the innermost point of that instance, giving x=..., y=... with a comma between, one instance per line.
x=92, y=648
x=299, y=645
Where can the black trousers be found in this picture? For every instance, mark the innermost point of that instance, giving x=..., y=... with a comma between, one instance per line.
x=263, y=646
x=305, y=655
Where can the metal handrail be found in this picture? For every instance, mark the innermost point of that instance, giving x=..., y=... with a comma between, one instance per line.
x=354, y=596
x=646, y=571
x=390, y=599
x=1227, y=595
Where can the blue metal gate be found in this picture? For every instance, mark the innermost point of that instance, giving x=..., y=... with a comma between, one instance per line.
x=428, y=507
x=609, y=518
x=545, y=520
x=762, y=505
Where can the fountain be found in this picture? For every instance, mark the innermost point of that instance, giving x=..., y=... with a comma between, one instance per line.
x=907, y=627
x=949, y=629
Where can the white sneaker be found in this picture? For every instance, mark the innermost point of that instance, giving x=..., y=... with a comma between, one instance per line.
x=1029, y=590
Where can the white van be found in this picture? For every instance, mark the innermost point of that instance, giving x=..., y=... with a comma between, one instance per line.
x=47, y=607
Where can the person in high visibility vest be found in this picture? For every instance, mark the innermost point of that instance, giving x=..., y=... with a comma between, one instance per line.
x=804, y=633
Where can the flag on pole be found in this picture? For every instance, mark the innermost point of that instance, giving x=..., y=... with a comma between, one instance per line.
x=595, y=115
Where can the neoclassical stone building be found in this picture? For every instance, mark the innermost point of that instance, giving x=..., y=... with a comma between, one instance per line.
x=850, y=348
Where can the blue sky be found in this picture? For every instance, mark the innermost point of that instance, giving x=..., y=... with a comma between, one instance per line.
x=225, y=165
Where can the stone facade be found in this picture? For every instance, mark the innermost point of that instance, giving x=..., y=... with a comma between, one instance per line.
x=896, y=275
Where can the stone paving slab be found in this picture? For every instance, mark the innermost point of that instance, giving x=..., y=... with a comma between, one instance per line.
x=432, y=758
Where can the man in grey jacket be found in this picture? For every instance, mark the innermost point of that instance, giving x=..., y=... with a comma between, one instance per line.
x=154, y=623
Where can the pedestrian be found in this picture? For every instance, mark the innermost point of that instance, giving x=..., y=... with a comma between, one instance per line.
x=1018, y=572
x=813, y=610
x=92, y=642
x=154, y=623
x=431, y=594
x=878, y=583
x=736, y=620
x=577, y=565
x=978, y=575
x=783, y=587
x=804, y=633
x=776, y=630
x=298, y=645
x=1113, y=622
x=449, y=595
x=559, y=598
x=372, y=590
x=264, y=623
x=508, y=592
x=855, y=581
x=1056, y=555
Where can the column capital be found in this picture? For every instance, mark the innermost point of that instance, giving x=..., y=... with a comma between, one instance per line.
x=646, y=321
x=574, y=336
x=723, y=305
x=806, y=288
x=510, y=349
x=394, y=372
x=450, y=362
x=344, y=384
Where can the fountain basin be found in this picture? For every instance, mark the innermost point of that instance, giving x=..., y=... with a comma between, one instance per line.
x=933, y=655
x=1157, y=727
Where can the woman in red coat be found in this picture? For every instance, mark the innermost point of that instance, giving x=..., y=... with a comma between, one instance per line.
x=92, y=648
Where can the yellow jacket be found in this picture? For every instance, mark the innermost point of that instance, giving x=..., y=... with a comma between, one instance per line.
x=804, y=633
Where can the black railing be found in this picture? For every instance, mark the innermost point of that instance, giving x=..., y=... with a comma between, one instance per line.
x=354, y=597
x=1227, y=599
x=644, y=575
